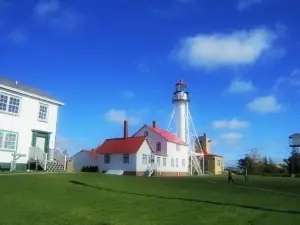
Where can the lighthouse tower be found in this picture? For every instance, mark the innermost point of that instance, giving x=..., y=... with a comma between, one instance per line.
x=181, y=100
x=182, y=121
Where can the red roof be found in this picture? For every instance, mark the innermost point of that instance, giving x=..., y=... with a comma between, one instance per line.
x=121, y=145
x=94, y=154
x=167, y=135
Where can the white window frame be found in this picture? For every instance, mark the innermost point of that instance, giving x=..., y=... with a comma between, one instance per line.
x=158, y=161
x=4, y=134
x=9, y=96
x=164, y=162
x=108, y=156
x=47, y=112
x=178, y=147
x=158, y=146
x=176, y=162
x=172, y=162
x=144, y=159
x=183, y=163
x=125, y=156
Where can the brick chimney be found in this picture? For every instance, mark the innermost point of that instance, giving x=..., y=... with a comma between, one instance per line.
x=125, y=129
x=154, y=124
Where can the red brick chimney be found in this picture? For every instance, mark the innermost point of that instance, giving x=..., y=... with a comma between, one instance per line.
x=154, y=124
x=125, y=129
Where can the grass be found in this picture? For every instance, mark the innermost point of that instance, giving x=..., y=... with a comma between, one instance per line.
x=95, y=199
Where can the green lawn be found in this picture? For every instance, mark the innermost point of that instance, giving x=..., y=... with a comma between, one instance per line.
x=95, y=199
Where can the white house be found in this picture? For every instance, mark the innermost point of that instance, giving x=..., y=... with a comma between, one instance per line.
x=126, y=155
x=28, y=118
x=149, y=150
x=84, y=158
x=171, y=153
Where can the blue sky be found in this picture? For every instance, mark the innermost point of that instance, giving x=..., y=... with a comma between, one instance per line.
x=112, y=60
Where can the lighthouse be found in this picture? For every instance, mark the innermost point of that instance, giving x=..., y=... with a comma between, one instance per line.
x=181, y=101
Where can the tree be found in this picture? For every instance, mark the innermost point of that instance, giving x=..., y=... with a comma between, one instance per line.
x=247, y=162
x=292, y=163
x=255, y=155
x=265, y=160
x=271, y=162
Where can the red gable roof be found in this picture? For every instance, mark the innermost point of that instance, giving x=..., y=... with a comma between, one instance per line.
x=94, y=154
x=167, y=135
x=121, y=145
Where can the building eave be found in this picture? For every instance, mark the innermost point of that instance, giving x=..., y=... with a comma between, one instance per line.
x=31, y=95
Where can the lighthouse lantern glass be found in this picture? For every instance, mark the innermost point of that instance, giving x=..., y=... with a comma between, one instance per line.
x=180, y=87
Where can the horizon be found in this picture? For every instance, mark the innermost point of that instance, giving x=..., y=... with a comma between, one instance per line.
x=112, y=61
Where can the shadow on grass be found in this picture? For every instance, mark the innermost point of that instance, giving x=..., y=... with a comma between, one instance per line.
x=188, y=199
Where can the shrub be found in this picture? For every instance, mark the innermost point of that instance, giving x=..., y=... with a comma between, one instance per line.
x=90, y=169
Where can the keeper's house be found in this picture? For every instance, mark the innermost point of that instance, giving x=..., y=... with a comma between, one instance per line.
x=28, y=118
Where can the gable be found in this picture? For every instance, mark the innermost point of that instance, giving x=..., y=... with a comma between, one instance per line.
x=121, y=145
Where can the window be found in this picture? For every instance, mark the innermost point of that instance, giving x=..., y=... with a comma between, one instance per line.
x=149, y=159
x=158, y=146
x=126, y=159
x=164, y=162
x=8, y=141
x=218, y=162
x=144, y=159
x=146, y=133
x=183, y=163
x=172, y=162
x=176, y=162
x=9, y=103
x=158, y=161
x=177, y=147
x=107, y=159
x=43, y=112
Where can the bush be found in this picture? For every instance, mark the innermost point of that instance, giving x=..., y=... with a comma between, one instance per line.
x=90, y=169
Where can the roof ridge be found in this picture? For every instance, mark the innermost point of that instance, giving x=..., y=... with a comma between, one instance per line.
x=172, y=137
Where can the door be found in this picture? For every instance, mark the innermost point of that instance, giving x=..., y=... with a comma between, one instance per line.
x=40, y=143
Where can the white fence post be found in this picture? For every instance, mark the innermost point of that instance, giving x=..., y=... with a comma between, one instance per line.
x=45, y=161
x=65, y=164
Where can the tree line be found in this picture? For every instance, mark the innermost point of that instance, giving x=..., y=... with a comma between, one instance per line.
x=263, y=165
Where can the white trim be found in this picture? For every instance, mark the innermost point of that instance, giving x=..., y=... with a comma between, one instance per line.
x=31, y=95
x=47, y=112
x=4, y=133
x=9, y=95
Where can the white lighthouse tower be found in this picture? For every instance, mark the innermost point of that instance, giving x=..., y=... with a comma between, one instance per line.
x=181, y=100
x=182, y=121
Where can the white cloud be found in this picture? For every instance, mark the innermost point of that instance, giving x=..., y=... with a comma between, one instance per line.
x=215, y=50
x=293, y=79
x=245, y=4
x=128, y=94
x=231, y=138
x=231, y=124
x=264, y=105
x=46, y=7
x=52, y=12
x=17, y=35
x=118, y=116
x=239, y=86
